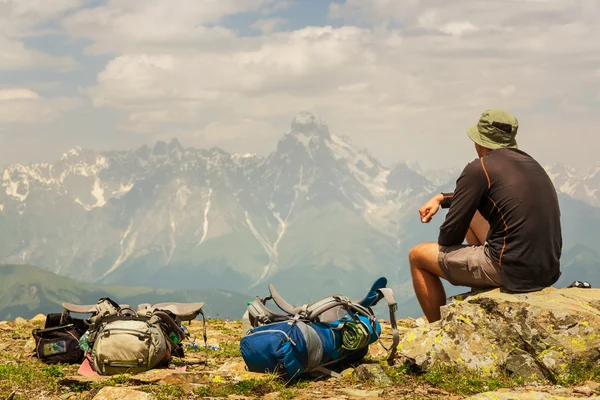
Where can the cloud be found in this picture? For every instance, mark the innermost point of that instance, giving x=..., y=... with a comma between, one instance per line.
x=399, y=77
x=23, y=18
x=156, y=25
x=23, y=106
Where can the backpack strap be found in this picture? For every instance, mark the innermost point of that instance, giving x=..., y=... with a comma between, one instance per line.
x=80, y=309
x=259, y=313
x=183, y=311
x=313, y=311
x=104, y=308
x=388, y=294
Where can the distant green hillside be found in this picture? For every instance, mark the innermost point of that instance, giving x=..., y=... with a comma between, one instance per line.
x=26, y=290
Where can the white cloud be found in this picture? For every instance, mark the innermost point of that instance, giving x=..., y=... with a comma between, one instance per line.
x=20, y=18
x=24, y=106
x=24, y=17
x=414, y=76
x=151, y=25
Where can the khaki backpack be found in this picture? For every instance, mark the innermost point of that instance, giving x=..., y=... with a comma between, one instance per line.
x=126, y=340
x=129, y=346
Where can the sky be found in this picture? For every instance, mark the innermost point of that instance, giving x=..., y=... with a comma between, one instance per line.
x=404, y=79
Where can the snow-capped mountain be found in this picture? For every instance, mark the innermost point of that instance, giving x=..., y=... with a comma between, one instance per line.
x=580, y=184
x=316, y=215
x=182, y=217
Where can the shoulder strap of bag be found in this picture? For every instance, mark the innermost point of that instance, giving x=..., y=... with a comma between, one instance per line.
x=388, y=295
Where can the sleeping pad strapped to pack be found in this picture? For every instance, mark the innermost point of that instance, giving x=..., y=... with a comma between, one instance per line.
x=310, y=337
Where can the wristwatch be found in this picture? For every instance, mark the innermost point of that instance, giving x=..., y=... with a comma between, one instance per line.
x=447, y=201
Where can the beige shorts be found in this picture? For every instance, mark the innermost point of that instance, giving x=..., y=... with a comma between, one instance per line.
x=467, y=265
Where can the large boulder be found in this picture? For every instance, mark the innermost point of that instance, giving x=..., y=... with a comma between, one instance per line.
x=535, y=335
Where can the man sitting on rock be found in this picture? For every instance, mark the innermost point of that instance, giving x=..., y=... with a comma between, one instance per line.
x=506, y=207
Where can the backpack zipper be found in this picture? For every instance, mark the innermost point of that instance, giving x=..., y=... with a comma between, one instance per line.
x=110, y=330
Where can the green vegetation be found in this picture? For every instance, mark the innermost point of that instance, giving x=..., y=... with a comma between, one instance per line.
x=250, y=387
x=457, y=381
x=164, y=392
x=579, y=372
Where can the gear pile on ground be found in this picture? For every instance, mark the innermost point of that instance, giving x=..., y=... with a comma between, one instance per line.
x=219, y=371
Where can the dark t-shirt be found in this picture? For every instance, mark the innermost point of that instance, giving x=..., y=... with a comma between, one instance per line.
x=515, y=195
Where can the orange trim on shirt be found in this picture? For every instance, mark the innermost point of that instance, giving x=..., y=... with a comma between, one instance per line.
x=486, y=173
x=505, y=230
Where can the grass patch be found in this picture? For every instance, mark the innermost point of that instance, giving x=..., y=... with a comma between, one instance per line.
x=165, y=392
x=250, y=387
x=54, y=371
x=578, y=372
x=25, y=377
x=466, y=382
x=398, y=375
x=228, y=350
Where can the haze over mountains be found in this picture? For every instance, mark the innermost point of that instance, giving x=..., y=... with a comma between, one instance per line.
x=314, y=217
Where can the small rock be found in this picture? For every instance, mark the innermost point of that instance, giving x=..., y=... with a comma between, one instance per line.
x=372, y=373
x=186, y=378
x=38, y=318
x=29, y=345
x=192, y=361
x=151, y=376
x=68, y=396
x=592, y=385
x=3, y=346
x=377, y=351
x=272, y=396
x=362, y=393
x=233, y=366
x=583, y=390
x=521, y=364
x=346, y=373
x=20, y=321
x=119, y=393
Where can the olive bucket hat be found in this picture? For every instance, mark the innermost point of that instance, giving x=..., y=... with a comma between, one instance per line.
x=496, y=129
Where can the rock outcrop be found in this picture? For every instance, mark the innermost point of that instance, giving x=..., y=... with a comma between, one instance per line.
x=536, y=335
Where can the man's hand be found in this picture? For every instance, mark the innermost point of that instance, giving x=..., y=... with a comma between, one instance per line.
x=430, y=208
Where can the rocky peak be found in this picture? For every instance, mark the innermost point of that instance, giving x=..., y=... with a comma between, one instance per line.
x=309, y=125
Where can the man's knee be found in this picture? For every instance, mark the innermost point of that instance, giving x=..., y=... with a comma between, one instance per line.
x=415, y=255
x=425, y=257
x=422, y=252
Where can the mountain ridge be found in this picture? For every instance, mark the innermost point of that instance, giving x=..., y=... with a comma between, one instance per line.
x=26, y=290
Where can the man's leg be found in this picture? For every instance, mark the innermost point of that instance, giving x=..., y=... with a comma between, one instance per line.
x=478, y=230
x=426, y=273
